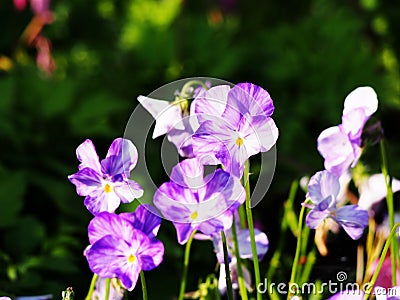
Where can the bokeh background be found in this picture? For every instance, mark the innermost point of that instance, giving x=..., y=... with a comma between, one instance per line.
x=308, y=54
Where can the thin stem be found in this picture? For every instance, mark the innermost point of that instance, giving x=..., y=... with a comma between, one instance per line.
x=251, y=228
x=144, y=287
x=227, y=271
x=91, y=288
x=389, y=200
x=298, y=248
x=108, y=283
x=393, y=232
x=242, y=286
x=191, y=83
x=186, y=266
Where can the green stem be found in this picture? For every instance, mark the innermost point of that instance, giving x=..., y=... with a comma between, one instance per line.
x=242, y=286
x=393, y=232
x=92, y=286
x=108, y=283
x=298, y=249
x=144, y=287
x=186, y=266
x=389, y=200
x=190, y=84
x=251, y=228
x=227, y=271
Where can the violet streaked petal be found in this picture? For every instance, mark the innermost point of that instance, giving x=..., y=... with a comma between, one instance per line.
x=182, y=139
x=183, y=232
x=128, y=190
x=150, y=253
x=217, y=223
x=316, y=217
x=323, y=184
x=102, y=201
x=211, y=103
x=145, y=219
x=87, y=181
x=364, y=97
x=106, y=223
x=245, y=244
x=336, y=149
x=87, y=155
x=353, y=219
x=166, y=114
x=121, y=158
x=188, y=173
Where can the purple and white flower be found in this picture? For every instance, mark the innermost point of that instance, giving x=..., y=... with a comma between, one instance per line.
x=105, y=184
x=123, y=245
x=323, y=190
x=193, y=202
x=340, y=146
x=234, y=124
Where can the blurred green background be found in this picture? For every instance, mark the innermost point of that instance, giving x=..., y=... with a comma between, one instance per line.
x=308, y=54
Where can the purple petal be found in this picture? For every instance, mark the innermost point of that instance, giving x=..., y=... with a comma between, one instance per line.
x=252, y=99
x=322, y=185
x=182, y=139
x=183, y=232
x=316, y=217
x=336, y=149
x=145, y=219
x=353, y=124
x=353, y=219
x=150, y=253
x=362, y=97
x=128, y=190
x=88, y=157
x=166, y=114
x=217, y=223
x=245, y=244
x=106, y=223
x=188, y=173
x=102, y=201
x=87, y=181
x=211, y=103
x=121, y=158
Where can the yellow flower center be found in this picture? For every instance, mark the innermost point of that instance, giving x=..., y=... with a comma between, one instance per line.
x=239, y=141
x=131, y=258
x=107, y=188
x=194, y=215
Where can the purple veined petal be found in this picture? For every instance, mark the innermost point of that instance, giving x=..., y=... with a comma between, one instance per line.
x=362, y=97
x=252, y=99
x=216, y=224
x=121, y=158
x=322, y=185
x=353, y=219
x=183, y=232
x=166, y=114
x=87, y=155
x=102, y=201
x=373, y=189
x=211, y=103
x=353, y=124
x=106, y=223
x=145, y=219
x=244, y=243
x=188, y=173
x=336, y=149
x=316, y=217
x=150, y=253
x=182, y=139
x=128, y=190
x=87, y=181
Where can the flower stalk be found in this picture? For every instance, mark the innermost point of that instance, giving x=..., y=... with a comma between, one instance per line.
x=227, y=271
x=186, y=266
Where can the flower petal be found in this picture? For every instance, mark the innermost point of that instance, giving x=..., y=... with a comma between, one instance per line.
x=87, y=155
x=87, y=181
x=145, y=219
x=364, y=97
x=322, y=185
x=121, y=158
x=150, y=253
x=211, y=103
x=188, y=173
x=102, y=201
x=353, y=219
x=183, y=232
x=128, y=190
x=245, y=244
x=316, y=217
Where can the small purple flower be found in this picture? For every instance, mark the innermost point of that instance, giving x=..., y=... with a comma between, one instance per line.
x=192, y=202
x=340, y=146
x=234, y=124
x=323, y=190
x=105, y=184
x=123, y=245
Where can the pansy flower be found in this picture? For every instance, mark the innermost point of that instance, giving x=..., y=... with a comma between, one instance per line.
x=234, y=124
x=323, y=190
x=105, y=184
x=193, y=202
x=123, y=245
x=340, y=146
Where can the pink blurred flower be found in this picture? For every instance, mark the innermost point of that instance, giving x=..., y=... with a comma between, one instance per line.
x=20, y=5
x=44, y=60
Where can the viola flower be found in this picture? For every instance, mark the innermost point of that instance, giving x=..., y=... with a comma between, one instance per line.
x=244, y=128
x=105, y=184
x=340, y=146
x=323, y=190
x=119, y=248
x=192, y=202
